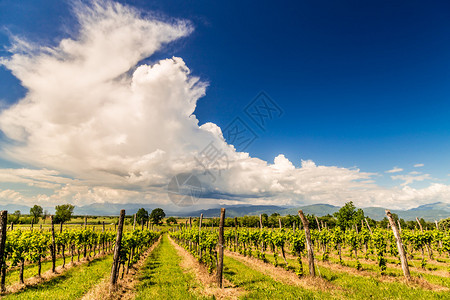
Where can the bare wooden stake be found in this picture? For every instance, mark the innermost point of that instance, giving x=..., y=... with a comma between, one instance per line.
x=279, y=222
x=115, y=266
x=220, y=245
x=260, y=222
x=429, y=251
x=317, y=221
x=53, y=246
x=235, y=233
x=134, y=222
x=420, y=225
x=309, y=245
x=3, y=225
x=400, y=248
x=368, y=226
x=199, y=235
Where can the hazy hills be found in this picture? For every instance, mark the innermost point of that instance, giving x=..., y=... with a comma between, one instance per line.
x=430, y=212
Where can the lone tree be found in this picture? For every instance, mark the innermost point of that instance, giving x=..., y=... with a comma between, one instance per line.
x=348, y=216
x=63, y=213
x=141, y=216
x=157, y=215
x=36, y=212
x=171, y=220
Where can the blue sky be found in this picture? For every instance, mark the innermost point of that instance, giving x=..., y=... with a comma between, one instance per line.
x=362, y=84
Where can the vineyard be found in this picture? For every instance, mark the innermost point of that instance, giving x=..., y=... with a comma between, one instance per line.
x=186, y=261
x=330, y=245
x=28, y=250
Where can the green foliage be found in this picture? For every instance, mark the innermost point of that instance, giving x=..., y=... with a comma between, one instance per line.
x=141, y=216
x=347, y=216
x=36, y=211
x=157, y=215
x=63, y=213
x=171, y=220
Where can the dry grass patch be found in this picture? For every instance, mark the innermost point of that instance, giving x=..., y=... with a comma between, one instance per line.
x=208, y=281
x=282, y=275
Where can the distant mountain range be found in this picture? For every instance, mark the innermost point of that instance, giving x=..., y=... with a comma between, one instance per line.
x=429, y=212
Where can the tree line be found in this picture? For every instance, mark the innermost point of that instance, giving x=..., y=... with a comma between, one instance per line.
x=64, y=213
x=348, y=217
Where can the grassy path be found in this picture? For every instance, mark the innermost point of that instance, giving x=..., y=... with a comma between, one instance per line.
x=73, y=284
x=162, y=277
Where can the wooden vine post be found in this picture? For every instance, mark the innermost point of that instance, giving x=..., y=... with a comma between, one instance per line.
x=134, y=222
x=260, y=222
x=317, y=221
x=368, y=226
x=309, y=245
x=429, y=251
x=235, y=233
x=190, y=227
x=53, y=245
x=220, y=244
x=400, y=248
x=3, y=224
x=437, y=227
x=115, y=266
x=199, y=235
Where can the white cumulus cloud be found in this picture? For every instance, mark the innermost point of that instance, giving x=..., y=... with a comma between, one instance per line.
x=96, y=125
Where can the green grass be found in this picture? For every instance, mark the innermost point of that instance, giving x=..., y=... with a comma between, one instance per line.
x=260, y=286
x=73, y=284
x=31, y=270
x=163, y=278
x=361, y=287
